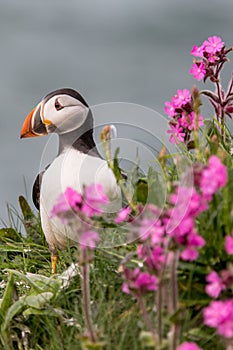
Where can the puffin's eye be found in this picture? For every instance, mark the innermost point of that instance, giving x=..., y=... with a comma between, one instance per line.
x=57, y=105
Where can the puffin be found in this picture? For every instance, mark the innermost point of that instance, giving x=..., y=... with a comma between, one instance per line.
x=78, y=162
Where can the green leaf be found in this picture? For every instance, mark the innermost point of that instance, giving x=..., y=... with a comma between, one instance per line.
x=31, y=222
x=197, y=332
x=141, y=191
x=147, y=339
x=7, y=297
x=40, y=283
x=42, y=312
x=51, y=283
x=11, y=312
x=25, y=208
x=88, y=345
x=116, y=168
x=156, y=188
x=38, y=301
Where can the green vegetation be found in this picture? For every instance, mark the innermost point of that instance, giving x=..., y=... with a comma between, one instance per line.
x=39, y=312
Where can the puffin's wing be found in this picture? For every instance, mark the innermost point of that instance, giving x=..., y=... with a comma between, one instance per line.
x=36, y=190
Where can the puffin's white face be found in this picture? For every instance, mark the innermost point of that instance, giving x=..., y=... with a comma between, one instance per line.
x=64, y=112
x=60, y=111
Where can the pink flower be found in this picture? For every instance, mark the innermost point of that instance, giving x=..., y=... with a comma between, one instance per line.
x=189, y=254
x=69, y=200
x=215, y=285
x=188, y=346
x=194, y=241
x=187, y=202
x=189, y=121
x=146, y=282
x=219, y=314
x=229, y=244
x=135, y=280
x=74, y=198
x=212, y=58
x=153, y=257
x=152, y=229
x=214, y=44
x=89, y=239
x=181, y=98
x=180, y=224
x=95, y=194
x=60, y=207
x=213, y=177
x=198, y=70
x=125, y=288
x=197, y=51
x=123, y=215
x=94, y=199
x=169, y=108
x=184, y=121
x=89, y=204
x=220, y=169
x=187, y=205
x=177, y=134
x=193, y=123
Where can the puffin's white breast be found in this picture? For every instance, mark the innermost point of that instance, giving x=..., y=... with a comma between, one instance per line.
x=73, y=169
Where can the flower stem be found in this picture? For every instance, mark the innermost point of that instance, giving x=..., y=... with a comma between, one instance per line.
x=160, y=298
x=85, y=271
x=223, y=124
x=196, y=108
x=174, y=288
x=174, y=298
x=221, y=105
x=159, y=302
x=146, y=318
x=174, y=336
x=229, y=345
x=230, y=87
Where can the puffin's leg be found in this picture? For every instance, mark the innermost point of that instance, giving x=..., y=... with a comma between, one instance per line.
x=54, y=259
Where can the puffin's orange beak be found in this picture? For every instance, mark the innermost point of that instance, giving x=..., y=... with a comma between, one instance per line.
x=33, y=125
x=26, y=130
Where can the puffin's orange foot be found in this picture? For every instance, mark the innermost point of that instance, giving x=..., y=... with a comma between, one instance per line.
x=54, y=260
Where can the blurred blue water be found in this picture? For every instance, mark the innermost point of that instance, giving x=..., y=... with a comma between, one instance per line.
x=132, y=51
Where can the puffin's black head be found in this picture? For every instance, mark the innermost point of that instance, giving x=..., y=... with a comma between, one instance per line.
x=61, y=111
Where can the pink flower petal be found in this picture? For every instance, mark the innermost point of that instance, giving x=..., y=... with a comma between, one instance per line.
x=229, y=244
x=188, y=346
